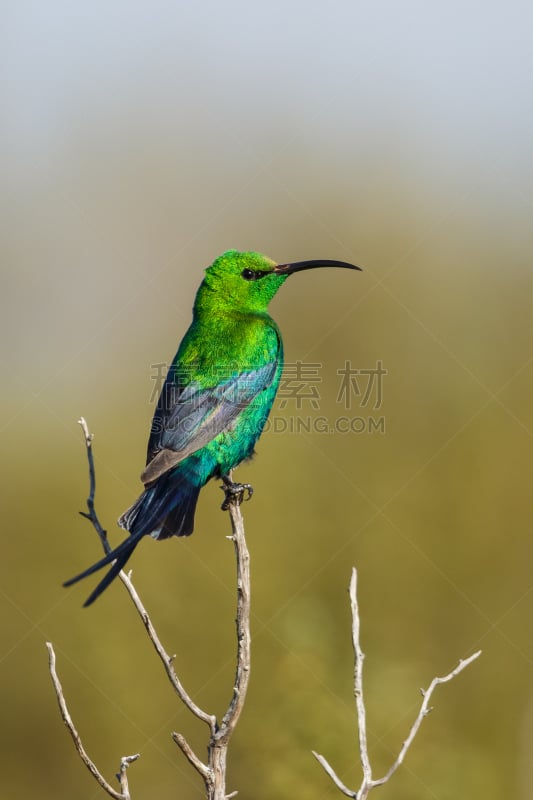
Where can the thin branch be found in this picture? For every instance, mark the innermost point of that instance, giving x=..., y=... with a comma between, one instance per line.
x=92, y=516
x=125, y=761
x=368, y=783
x=215, y=776
x=359, y=657
x=191, y=756
x=126, y=580
x=166, y=659
x=67, y=719
x=242, y=676
x=424, y=711
x=333, y=775
x=213, y=773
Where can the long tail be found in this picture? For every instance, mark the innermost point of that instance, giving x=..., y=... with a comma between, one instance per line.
x=165, y=509
x=119, y=555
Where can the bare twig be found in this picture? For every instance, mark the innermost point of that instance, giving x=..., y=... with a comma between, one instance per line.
x=214, y=772
x=92, y=516
x=126, y=580
x=167, y=660
x=191, y=756
x=218, y=746
x=368, y=783
x=425, y=709
x=125, y=761
x=67, y=719
x=334, y=777
x=242, y=677
x=358, y=680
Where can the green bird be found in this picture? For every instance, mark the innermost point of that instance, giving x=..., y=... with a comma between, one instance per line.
x=215, y=401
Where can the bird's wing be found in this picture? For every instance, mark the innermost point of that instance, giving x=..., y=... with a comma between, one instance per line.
x=199, y=414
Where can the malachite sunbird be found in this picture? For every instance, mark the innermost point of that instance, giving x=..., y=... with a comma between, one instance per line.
x=215, y=401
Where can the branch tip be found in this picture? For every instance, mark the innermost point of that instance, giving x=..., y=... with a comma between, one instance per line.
x=85, y=428
x=125, y=761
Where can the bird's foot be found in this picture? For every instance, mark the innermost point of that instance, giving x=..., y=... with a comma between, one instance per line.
x=235, y=491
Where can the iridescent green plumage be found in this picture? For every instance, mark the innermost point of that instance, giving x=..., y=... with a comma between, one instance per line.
x=216, y=399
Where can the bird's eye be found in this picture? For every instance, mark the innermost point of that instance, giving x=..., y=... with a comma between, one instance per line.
x=250, y=275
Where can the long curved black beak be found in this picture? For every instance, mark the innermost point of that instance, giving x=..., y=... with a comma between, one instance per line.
x=298, y=266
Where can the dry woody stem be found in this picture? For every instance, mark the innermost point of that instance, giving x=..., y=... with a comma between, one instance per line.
x=368, y=782
x=214, y=771
x=125, y=761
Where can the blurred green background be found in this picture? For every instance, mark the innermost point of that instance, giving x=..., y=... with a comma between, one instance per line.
x=139, y=141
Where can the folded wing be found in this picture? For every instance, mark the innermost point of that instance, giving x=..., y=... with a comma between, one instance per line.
x=192, y=416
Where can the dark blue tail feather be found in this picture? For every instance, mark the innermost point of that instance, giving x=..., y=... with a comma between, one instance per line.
x=165, y=509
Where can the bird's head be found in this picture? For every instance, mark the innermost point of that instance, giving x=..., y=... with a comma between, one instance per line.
x=248, y=281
